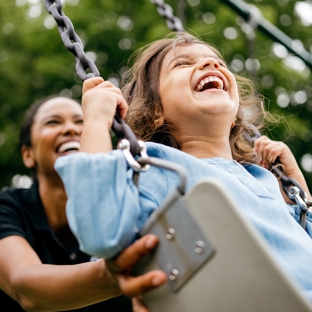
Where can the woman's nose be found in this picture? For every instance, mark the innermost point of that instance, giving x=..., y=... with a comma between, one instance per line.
x=209, y=62
x=72, y=128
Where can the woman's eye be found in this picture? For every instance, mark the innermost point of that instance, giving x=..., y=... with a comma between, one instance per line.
x=79, y=121
x=52, y=122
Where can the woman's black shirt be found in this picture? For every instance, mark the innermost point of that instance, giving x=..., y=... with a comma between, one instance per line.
x=22, y=213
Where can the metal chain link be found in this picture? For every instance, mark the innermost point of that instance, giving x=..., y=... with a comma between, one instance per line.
x=73, y=44
x=71, y=40
x=173, y=22
x=289, y=185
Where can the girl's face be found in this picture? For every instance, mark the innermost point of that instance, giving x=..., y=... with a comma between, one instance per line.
x=196, y=88
x=55, y=132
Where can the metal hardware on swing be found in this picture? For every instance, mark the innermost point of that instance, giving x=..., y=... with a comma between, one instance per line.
x=124, y=145
x=134, y=150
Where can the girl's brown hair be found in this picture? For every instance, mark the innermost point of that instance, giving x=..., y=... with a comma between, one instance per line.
x=141, y=92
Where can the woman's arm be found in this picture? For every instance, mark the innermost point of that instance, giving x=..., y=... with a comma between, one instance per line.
x=42, y=287
x=270, y=150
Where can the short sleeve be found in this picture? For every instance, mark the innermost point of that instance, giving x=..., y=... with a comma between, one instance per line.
x=11, y=220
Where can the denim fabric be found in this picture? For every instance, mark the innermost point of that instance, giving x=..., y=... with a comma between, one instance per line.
x=105, y=209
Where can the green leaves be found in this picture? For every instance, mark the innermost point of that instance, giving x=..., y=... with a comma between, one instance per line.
x=34, y=63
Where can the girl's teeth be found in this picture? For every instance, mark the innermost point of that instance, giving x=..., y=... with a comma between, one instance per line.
x=209, y=79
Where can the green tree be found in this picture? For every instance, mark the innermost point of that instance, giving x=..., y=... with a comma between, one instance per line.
x=34, y=63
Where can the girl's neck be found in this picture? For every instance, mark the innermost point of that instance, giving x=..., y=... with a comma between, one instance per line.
x=206, y=147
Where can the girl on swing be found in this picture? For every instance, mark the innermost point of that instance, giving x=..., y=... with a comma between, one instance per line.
x=193, y=111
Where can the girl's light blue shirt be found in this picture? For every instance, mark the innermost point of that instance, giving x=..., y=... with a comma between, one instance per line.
x=105, y=209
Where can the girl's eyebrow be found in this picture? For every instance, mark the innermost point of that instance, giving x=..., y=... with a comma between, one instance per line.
x=191, y=56
x=177, y=57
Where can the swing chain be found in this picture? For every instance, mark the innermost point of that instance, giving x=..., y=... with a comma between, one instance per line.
x=74, y=44
x=71, y=40
x=290, y=186
x=128, y=142
x=173, y=22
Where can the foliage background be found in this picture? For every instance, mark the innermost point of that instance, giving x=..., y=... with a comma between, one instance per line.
x=34, y=63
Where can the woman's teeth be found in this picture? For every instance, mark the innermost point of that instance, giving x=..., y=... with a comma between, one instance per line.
x=69, y=146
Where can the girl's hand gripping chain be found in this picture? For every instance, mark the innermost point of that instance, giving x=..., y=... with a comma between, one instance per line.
x=270, y=151
x=99, y=103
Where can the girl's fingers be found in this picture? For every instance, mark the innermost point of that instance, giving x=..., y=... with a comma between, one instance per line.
x=91, y=83
x=269, y=150
x=123, y=108
x=98, y=85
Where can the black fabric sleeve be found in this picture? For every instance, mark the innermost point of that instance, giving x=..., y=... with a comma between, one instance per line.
x=11, y=216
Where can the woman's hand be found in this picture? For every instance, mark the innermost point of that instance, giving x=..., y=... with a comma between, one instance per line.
x=269, y=151
x=138, y=305
x=136, y=286
x=100, y=100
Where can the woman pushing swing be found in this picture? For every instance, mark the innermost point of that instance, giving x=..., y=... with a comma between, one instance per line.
x=193, y=111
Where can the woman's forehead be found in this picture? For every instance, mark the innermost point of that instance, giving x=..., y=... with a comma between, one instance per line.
x=58, y=106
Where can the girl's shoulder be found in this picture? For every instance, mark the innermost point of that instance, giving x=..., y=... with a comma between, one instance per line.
x=158, y=150
x=166, y=152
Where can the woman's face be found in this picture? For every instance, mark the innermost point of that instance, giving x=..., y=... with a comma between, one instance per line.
x=55, y=132
x=196, y=88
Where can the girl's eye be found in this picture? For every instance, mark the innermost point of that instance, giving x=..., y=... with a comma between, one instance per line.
x=222, y=64
x=181, y=63
x=79, y=121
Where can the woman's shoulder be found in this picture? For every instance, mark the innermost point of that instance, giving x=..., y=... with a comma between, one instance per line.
x=19, y=198
x=11, y=196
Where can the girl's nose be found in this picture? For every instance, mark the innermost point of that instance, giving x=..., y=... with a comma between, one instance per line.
x=209, y=62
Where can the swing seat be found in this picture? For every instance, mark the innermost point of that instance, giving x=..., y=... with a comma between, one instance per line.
x=214, y=259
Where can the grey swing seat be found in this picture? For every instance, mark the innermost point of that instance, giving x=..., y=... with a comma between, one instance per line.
x=215, y=261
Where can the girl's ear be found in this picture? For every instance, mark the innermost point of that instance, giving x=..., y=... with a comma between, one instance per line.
x=159, y=117
x=159, y=121
x=28, y=156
